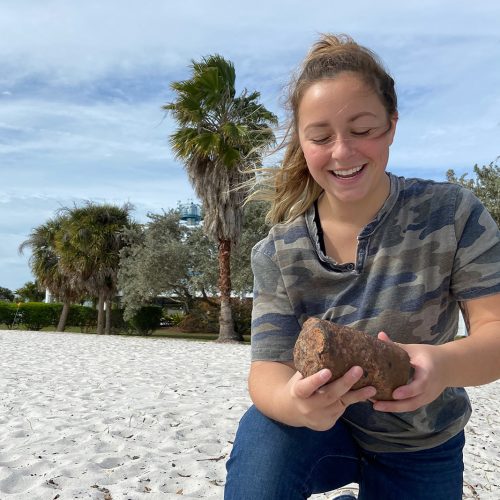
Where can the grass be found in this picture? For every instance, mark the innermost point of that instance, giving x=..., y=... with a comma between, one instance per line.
x=171, y=333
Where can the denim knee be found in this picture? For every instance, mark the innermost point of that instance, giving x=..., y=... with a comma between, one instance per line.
x=274, y=461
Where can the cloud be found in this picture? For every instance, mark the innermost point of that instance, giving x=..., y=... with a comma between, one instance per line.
x=20, y=214
x=81, y=42
x=82, y=85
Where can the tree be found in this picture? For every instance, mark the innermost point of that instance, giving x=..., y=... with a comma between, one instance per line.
x=255, y=229
x=6, y=295
x=486, y=186
x=166, y=257
x=30, y=292
x=90, y=251
x=219, y=136
x=45, y=265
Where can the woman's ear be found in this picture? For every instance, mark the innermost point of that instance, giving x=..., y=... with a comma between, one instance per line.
x=394, y=121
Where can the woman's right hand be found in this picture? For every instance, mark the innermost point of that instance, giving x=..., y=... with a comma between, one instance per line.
x=316, y=403
x=283, y=394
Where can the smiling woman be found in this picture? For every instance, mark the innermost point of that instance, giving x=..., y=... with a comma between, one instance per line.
x=345, y=133
x=363, y=248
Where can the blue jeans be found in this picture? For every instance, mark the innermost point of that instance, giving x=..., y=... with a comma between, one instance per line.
x=273, y=461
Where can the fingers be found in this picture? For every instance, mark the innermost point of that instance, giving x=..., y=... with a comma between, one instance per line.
x=345, y=383
x=363, y=394
x=340, y=389
x=384, y=337
x=320, y=402
x=404, y=405
x=406, y=398
x=306, y=387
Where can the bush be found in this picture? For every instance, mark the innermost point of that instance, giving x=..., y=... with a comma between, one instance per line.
x=171, y=319
x=8, y=314
x=146, y=319
x=37, y=315
x=242, y=315
x=83, y=317
x=118, y=324
x=204, y=317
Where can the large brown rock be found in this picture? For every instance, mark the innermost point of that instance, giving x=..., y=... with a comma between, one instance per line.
x=322, y=344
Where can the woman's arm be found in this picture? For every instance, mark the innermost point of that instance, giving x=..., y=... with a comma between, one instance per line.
x=478, y=355
x=474, y=360
x=281, y=393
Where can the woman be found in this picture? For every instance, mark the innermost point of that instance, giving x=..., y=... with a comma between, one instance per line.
x=361, y=247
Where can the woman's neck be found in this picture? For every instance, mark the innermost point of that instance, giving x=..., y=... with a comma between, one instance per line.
x=357, y=213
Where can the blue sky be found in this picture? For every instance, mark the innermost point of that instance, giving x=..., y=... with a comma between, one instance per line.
x=82, y=84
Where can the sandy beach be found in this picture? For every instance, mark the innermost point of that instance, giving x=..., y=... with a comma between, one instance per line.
x=112, y=417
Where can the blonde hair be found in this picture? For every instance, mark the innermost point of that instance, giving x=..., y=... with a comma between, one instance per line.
x=290, y=188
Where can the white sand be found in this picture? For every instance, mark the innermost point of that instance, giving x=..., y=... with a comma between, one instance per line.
x=107, y=417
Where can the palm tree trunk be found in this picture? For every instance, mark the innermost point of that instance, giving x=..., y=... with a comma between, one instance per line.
x=108, y=316
x=100, y=314
x=64, y=317
x=226, y=329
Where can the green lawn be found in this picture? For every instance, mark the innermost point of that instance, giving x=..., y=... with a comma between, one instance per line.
x=173, y=333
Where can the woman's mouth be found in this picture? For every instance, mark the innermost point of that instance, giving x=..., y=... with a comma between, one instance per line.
x=347, y=173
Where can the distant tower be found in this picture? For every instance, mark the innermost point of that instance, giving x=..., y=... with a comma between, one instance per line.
x=190, y=213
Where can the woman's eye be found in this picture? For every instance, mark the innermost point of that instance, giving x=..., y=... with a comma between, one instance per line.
x=321, y=140
x=361, y=133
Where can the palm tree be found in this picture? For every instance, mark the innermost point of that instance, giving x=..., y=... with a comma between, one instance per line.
x=45, y=265
x=219, y=135
x=90, y=251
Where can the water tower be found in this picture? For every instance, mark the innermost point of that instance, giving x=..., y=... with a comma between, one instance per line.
x=190, y=213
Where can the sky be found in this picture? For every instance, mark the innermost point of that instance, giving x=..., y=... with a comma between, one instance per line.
x=82, y=84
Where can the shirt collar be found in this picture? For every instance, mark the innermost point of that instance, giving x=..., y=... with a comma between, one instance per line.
x=369, y=229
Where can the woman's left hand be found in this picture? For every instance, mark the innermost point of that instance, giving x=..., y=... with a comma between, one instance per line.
x=428, y=379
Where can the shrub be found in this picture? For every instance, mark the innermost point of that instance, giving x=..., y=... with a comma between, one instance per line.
x=83, y=317
x=8, y=314
x=146, y=320
x=242, y=315
x=118, y=324
x=171, y=319
x=37, y=315
x=203, y=317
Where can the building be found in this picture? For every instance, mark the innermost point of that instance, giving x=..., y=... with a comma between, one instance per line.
x=191, y=213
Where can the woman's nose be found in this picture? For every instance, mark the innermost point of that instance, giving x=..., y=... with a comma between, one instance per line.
x=342, y=148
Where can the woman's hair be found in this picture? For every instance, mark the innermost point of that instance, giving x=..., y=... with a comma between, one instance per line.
x=290, y=188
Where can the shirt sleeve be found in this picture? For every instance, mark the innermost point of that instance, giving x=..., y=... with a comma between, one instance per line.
x=476, y=268
x=274, y=325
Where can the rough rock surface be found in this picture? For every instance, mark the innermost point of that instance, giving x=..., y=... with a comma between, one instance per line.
x=322, y=344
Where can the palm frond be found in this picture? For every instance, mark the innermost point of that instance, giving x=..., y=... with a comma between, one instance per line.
x=218, y=133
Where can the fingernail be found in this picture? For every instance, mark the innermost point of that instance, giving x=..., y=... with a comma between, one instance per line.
x=325, y=375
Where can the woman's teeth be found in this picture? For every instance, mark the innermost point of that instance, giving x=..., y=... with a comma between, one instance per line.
x=351, y=172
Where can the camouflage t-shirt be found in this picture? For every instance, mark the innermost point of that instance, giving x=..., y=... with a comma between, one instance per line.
x=430, y=246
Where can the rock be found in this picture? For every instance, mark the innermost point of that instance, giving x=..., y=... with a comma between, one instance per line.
x=323, y=344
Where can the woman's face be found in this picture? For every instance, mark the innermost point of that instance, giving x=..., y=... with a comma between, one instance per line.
x=345, y=134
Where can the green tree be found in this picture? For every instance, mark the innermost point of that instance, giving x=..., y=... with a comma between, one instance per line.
x=219, y=135
x=166, y=257
x=45, y=265
x=485, y=185
x=255, y=229
x=30, y=292
x=89, y=251
x=6, y=295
